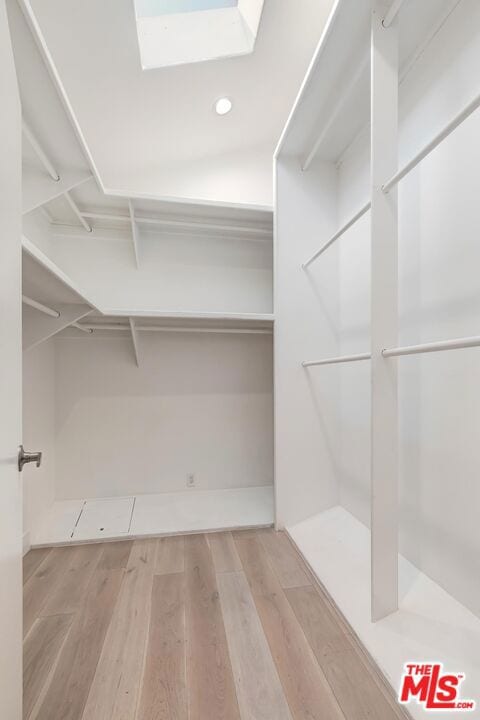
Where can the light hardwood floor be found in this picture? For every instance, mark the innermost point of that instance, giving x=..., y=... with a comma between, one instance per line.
x=227, y=626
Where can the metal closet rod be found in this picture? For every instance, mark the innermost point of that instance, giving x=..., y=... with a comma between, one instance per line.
x=144, y=220
x=392, y=13
x=439, y=346
x=337, y=360
x=82, y=328
x=50, y=311
x=40, y=306
x=442, y=135
x=339, y=233
x=454, y=344
x=51, y=170
x=179, y=329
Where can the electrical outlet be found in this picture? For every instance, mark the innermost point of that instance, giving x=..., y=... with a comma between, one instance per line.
x=190, y=480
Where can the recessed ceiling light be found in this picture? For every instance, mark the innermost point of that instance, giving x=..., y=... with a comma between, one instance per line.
x=223, y=106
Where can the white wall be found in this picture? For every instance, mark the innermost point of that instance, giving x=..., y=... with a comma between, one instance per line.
x=439, y=297
x=38, y=431
x=306, y=328
x=199, y=403
x=239, y=177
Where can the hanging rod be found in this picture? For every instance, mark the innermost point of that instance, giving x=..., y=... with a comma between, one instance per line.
x=337, y=360
x=41, y=154
x=338, y=234
x=449, y=128
x=141, y=219
x=77, y=212
x=81, y=327
x=392, y=13
x=455, y=344
x=51, y=312
x=179, y=329
x=40, y=306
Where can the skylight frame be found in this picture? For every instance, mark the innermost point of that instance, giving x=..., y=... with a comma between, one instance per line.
x=171, y=39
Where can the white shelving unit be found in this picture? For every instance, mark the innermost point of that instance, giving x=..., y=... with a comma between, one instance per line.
x=148, y=339
x=371, y=116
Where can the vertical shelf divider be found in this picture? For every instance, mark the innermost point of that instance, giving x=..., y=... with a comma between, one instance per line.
x=384, y=315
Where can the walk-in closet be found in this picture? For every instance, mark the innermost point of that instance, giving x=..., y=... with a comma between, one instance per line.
x=239, y=359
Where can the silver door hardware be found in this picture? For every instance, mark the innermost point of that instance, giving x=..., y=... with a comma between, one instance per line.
x=28, y=457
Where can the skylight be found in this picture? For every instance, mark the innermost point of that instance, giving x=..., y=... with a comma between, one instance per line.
x=175, y=32
x=150, y=8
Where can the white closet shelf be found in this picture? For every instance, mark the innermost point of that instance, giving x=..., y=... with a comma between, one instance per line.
x=430, y=624
x=250, y=317
x=248, y=324
x=45, y=284
x=47, y=268
x=89, y=209
x=180, y=321
x=44, y=264
x=333, y=106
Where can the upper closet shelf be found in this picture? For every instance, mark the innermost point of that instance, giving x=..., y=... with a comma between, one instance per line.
x=219, y=316
x=333, y=106
x=52, y=303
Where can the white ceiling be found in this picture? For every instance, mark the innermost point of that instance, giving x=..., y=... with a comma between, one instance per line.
x=154, y=132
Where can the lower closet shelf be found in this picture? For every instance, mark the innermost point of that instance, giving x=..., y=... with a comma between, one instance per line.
x=70, y=521
x=430, y=625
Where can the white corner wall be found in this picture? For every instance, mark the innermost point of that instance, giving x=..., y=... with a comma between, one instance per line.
x=199, y=403
x=439, y=298
x=306, y=328
x=38, y=433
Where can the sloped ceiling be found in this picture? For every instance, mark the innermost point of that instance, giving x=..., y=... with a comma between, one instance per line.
x=155, y=132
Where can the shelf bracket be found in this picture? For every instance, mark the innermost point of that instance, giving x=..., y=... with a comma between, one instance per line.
x=135, y=233
x=133, y=331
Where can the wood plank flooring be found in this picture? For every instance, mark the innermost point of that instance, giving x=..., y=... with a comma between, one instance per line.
x=226, y=626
